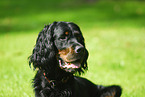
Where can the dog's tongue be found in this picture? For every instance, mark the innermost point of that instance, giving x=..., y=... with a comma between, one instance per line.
x=72, y=65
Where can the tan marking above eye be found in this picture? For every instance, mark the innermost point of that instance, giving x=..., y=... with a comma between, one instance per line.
x=66, y=33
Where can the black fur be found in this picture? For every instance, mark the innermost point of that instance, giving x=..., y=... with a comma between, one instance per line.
x=51, y=79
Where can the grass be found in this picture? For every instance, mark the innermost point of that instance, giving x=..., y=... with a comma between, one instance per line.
x=114, y=34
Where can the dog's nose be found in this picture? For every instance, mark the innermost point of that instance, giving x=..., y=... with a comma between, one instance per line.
x=79, y=49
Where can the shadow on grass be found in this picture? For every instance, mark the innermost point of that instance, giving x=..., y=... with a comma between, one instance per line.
x=32, y=15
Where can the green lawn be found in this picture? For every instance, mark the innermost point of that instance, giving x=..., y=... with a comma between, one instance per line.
x=114, y=34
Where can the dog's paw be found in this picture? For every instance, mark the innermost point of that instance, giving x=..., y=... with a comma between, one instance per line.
x=111, y=91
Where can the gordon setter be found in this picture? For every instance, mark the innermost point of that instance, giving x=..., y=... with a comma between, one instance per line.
x=58, y=56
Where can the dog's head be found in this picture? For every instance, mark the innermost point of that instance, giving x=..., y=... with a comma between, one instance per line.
x=61, y=45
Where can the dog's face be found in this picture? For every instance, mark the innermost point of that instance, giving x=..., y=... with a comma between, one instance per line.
x=69, y=42
x=60, y=44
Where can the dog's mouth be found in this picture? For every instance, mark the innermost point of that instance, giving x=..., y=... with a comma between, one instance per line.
x=70, y=66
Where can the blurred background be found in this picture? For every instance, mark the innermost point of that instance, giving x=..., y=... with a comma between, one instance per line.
x=114, y=32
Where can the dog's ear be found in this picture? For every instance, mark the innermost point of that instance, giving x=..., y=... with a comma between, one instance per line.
x=44, y=50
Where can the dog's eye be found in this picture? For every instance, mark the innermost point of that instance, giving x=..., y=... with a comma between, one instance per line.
x=66, y=33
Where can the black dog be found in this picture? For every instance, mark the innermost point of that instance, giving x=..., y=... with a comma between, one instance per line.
x=60, y=53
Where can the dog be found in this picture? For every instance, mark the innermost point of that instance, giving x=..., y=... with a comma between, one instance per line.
x=59, y=57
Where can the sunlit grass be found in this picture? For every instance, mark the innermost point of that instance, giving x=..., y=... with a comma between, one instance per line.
x=15, y=75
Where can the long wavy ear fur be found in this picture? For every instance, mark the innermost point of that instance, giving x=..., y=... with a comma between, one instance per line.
x=44, y=50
